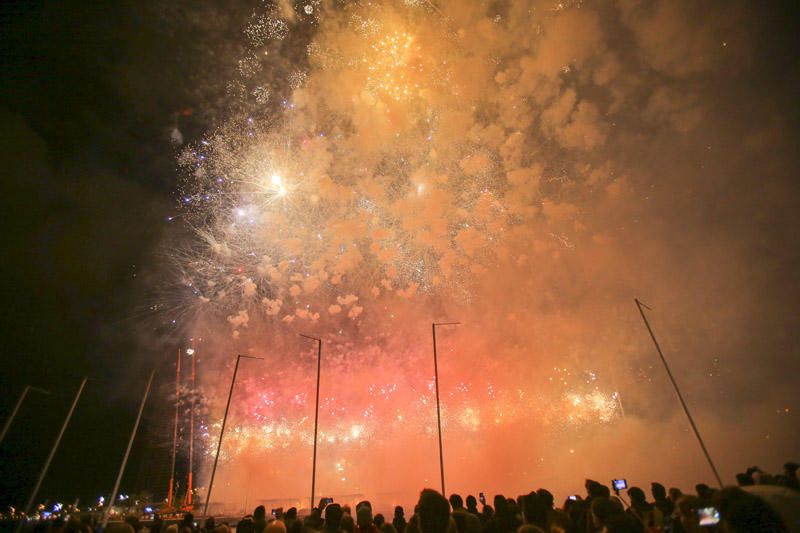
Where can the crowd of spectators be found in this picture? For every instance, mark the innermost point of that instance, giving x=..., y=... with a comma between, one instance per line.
x=761, y=503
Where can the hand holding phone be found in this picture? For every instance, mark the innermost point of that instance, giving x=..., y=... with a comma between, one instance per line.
x=707, y=516
x=482, y=498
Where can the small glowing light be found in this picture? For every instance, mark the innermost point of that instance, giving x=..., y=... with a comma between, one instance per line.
x=190, y=351
x=276, y=179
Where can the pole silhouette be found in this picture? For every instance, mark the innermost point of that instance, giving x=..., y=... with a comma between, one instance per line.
x=128, y=450
x=222, y=429
x=640, y=305
x=170, y=494
x=316, y=418
x=52, y=454
x=17, y=406
x=438, y=408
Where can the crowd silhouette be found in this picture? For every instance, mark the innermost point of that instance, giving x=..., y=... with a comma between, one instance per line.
x=760, y=503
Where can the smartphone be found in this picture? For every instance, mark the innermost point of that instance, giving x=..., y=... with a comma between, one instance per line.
x=482, y=498
x=573, y=497
x=327, y=501
x=708, y=516
x=619, y=484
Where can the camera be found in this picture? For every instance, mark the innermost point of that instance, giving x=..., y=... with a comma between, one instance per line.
x=619, y=484
x=482, y=498
x=573, y=497
x=707, y=516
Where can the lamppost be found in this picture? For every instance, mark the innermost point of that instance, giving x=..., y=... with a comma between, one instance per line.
x=128, y=450
x=222, y=429
x=17, y=406
x=640, y=305
x=438, y=409
x=316, y=417
x=52, y=454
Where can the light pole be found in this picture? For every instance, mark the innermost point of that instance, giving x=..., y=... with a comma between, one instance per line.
x=222, y=429
x=316, y=417
x=128, y=450
x=52, y=454
x=17, y=406
x=640, y=305
x=438, y=408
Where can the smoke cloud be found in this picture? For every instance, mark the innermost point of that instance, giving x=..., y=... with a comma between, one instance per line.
x=524, y=168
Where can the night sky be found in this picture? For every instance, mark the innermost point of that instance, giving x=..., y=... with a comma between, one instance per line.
x=89, y=96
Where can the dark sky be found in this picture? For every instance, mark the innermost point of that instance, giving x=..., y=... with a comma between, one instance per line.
x=89, y=94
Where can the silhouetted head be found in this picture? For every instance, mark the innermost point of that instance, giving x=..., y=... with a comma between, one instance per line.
x=500, y=505
x=363, y=503
x=703, y=490
x=637, y=496
x=658, y=491
x=245, y=525
x=314, y=520
x=511, y=506
x=333, y=517
x=534, y=510
x=472, y=503
x=602, y=510
x=379, y=520
x=399, y=512
x=593, y=488
x=260, y=513
x=291, y=513
x=364, y=516
x=348, y=524
x=456, y=502
x=434, y=512
x=546, y=497
x=675, y=493
x=188, y=520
